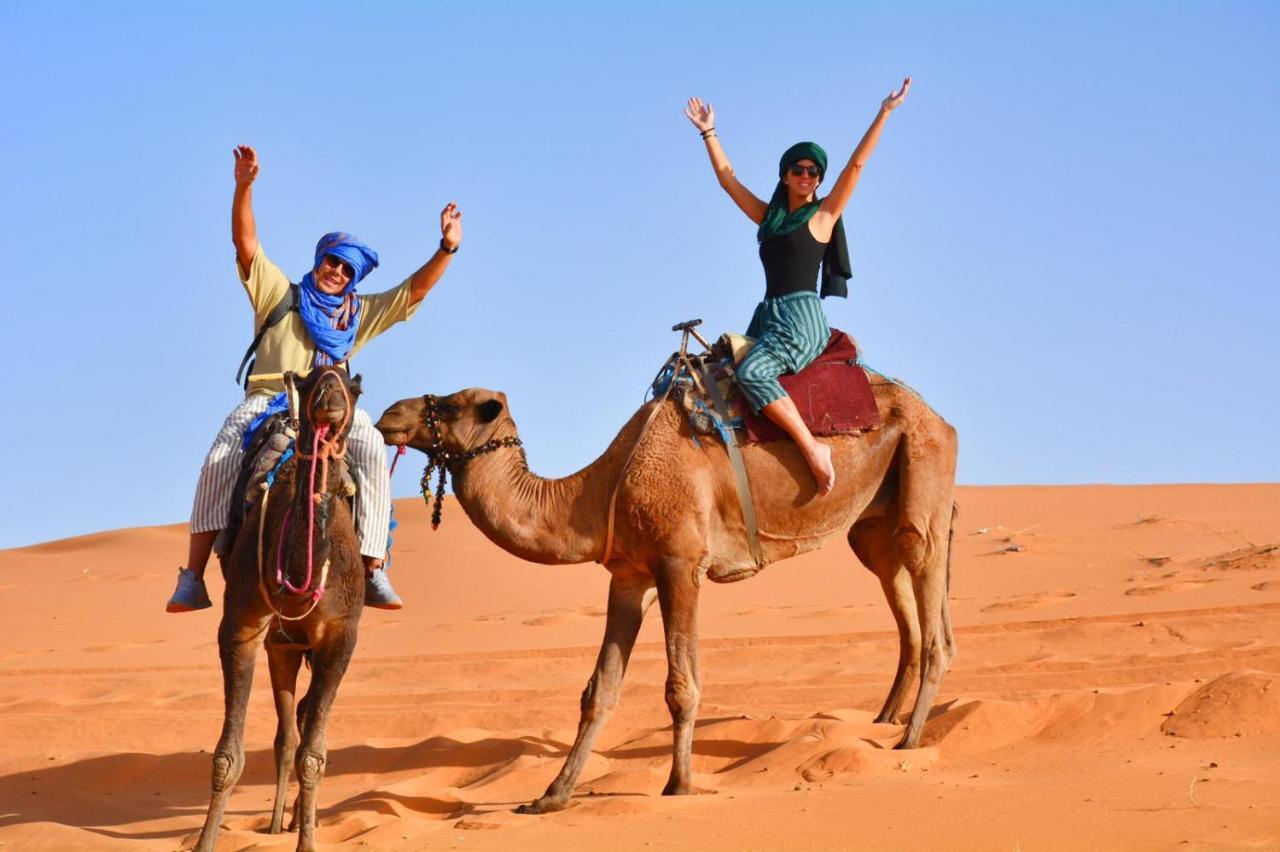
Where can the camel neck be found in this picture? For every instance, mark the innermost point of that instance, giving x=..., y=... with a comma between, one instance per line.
x=551, y=521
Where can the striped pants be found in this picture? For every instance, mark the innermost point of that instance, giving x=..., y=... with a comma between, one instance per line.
x=790, y=331
x=366, y=452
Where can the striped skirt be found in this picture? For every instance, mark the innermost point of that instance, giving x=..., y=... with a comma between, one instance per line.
x=365, y=450
x=790, y=331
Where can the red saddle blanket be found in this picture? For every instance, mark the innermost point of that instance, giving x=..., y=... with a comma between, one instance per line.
x=832, y=394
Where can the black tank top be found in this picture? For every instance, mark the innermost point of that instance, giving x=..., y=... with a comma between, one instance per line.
x=791, y=263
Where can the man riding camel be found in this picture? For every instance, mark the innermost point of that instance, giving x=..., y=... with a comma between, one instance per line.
x=330, y=324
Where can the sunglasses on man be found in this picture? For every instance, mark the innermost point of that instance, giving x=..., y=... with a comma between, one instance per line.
x=811, y=171
x=336, y=263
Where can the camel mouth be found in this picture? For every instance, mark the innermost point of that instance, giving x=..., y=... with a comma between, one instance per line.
x=395, y=437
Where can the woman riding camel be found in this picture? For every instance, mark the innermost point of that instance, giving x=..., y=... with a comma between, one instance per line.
x=330, y=324
x=798, y=232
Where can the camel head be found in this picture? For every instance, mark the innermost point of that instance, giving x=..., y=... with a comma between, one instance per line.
x=457, y=423
x=326, y=402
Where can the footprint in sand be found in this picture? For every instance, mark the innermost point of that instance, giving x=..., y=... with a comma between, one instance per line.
x=1268, y=586
x=1169, y=588
x=564, y=616
x=830, y=612
x=804, y=610
x=121, y=646
x=1252, y=558
x=1031, y=602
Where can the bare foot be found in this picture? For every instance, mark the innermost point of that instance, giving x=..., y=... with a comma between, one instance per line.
x=824, y=472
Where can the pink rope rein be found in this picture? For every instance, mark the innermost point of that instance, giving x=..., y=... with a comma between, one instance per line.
x=316, y=438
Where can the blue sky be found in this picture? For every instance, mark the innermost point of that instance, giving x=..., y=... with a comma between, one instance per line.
x=1066, y=240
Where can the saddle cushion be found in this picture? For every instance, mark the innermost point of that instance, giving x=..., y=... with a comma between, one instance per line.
x=832, y=394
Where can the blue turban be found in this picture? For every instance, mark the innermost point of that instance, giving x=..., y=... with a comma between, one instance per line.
x=332, y=320
x=347, y=248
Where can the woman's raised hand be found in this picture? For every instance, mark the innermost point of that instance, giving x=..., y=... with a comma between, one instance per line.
x=246, y=164
x=702, y=115
x=896, y=98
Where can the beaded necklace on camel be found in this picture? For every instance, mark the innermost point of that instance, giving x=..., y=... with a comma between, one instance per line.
x=442, y=459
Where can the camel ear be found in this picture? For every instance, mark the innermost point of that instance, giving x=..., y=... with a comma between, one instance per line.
x=357, y=386
x=489, y=410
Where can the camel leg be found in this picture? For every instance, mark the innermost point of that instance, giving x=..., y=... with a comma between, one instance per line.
x=328, y=665
x=305, y=702
x=678, y=597
x=237, y=647
x=284, y=664
x=927, y=558
x=630, y=596
x=872, y=542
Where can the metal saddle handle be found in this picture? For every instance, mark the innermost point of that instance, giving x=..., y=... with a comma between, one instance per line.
x=688, y=328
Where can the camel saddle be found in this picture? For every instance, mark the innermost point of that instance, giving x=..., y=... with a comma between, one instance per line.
x=832, y=394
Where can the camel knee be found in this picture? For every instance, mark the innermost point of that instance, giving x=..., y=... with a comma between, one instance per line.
x=682, y=699
x=913, y=548
x=597, y=702
x=310, y=767
x=226, y=770
x=937, y=660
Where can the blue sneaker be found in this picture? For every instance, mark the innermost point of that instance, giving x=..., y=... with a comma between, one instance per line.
x=190, y=594
x=378, y=592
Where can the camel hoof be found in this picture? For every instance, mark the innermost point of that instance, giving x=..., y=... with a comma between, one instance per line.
x=674, y=789
x=541, y=806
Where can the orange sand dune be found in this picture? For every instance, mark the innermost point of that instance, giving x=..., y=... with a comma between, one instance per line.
x=1118, y=686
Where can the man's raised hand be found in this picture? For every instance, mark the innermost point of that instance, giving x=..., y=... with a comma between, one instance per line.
x=246, y=164
x=451, y=225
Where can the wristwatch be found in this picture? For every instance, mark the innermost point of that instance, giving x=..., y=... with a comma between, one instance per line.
x=444, y=248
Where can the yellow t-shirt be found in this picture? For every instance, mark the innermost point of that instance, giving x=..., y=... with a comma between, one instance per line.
x=287, y=345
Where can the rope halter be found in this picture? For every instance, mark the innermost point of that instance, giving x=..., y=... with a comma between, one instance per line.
x=442, y=459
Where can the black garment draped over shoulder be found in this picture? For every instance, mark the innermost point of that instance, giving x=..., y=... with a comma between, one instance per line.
x=791, y=263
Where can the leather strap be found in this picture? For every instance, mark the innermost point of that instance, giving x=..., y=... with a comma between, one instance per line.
x=289, y=302
x=739, y=467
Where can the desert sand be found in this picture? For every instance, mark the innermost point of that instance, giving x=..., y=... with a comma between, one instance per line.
x=1117, y=687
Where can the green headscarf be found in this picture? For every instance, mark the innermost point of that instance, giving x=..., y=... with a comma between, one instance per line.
x=780, y=221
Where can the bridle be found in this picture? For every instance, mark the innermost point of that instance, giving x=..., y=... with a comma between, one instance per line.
x=327, y=443
x=441, y=458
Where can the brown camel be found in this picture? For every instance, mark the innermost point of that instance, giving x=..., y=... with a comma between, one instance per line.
x=318, y=625
x=678, y=520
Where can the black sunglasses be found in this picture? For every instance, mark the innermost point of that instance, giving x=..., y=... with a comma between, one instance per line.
x=813, y=171
x=337, y=263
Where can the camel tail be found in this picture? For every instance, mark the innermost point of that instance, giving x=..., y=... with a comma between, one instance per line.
x=947, y=629
x=951, y=535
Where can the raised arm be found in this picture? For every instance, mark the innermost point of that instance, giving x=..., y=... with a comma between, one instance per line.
x=244, y=232
x=424, y=279
x=833, y=205
x=704, y=118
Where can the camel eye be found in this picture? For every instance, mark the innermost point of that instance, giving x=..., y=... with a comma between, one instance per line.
x=448, y=411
